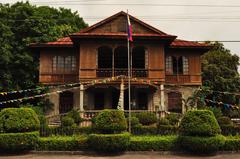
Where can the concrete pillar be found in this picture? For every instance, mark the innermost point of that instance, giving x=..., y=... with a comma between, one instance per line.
x=81, y=97
x=121, y=97
x=162, y=99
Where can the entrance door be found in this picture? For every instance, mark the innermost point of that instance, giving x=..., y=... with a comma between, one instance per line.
x=66, y=102
x=142, y=100
x=99, y=101
x=175, y=102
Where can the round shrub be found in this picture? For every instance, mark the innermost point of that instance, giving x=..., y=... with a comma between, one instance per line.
x=18, y=120
x=199, y=123
x=109, y=142
x=67, y=122
x=134, y=122
x=147, y=118
x=201, y=145
x=163, y=121
x=225, y=121
x=173, y=118
x=15, y=142
x=110, y=121
x=75, y=116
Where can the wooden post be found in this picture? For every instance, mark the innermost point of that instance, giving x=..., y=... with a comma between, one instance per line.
x=81, y=97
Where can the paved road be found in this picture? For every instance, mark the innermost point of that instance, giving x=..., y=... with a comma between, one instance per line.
x=147, y=155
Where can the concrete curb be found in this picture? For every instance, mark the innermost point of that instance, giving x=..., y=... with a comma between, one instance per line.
x=92, y=153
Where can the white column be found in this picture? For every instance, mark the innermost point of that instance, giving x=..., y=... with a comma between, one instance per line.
x=162, y=106
x=81, y=97
x=121, y=97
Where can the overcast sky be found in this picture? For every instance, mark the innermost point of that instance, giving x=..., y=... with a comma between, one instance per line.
x=188, y=19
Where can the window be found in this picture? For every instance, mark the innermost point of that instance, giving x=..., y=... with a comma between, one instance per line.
x=177, y=65
x=185, y=65
x=62, y=64
x=169, y=65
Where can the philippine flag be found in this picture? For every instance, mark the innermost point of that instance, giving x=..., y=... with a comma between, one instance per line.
x=129, y=29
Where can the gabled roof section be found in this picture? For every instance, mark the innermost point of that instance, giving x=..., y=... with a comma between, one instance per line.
x=110, y=19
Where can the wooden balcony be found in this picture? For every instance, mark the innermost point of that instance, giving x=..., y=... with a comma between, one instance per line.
x=58, y=78
x=105, y=72
x=183, y=79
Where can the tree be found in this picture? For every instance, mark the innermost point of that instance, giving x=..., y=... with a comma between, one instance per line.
x=220, y=69
x=22, y=24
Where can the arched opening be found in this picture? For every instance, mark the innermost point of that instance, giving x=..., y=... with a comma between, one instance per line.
x=175, y=102
x=65, y=102
x=104, y=57
x=121, y=57
x=138, y=57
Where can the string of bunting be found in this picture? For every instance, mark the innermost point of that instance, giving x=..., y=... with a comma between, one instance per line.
x=36, y=96
x=225, y=105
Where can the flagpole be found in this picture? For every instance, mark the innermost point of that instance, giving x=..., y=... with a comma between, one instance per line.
x=129, y=86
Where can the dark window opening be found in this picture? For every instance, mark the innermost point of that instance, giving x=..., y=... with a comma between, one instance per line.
x=138, y=57
x=175, y=65
x=99, y=100
x=66, y=102
x=175, y=102
x=104, y=57
x=121, y=57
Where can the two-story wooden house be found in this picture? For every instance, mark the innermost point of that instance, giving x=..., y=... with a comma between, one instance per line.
x=100, y=51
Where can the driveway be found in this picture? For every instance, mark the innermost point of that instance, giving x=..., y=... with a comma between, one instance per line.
x=147, y=155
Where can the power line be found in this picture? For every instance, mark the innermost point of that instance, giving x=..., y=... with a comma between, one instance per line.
x=136, y=4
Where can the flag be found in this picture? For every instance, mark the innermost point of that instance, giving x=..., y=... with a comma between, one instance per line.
x=129, y=29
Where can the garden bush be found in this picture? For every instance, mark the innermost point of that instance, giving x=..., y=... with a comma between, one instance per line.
x=225, y=121
x=109, y=142
x=66, y=131
x=67, y=121
x=18, y=120
x=163, y=121
x=145, y=130
x=200, y=144
x=62, y=143
x=173, y=118
x=232, y=143
x=14, y=142
x=147, y=118
x=75, y=116
x=152, y=143
x=199, y=123
x=110, y=121
x=167, y=129
x=134, y=122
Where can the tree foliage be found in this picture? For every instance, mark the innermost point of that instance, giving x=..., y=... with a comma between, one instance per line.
x=220, y=69
x=22, y=24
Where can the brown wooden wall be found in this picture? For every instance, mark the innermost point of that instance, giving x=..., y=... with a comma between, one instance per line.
x=194, y=61
x=119, y=25
x=156, y=61
x=46, y=74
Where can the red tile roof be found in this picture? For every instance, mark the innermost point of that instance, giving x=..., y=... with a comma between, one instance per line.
x=61, y=42
x=183, y=43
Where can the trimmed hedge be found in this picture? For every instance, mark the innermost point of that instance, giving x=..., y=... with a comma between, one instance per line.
x=110, y=121
x=232, y=143
x=199, y=123
x=201, y=145
x=134, y=122
x=224, y=121
x=12, y=142
x=152, y=143
x=154, y=130
x=75, y=115
x=62, y=143
x=147, y=118
x=109, y=142
x=18, y=120
x=65, y=131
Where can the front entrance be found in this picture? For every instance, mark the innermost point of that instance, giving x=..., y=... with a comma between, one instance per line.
x=99, y=100
x=66, y=102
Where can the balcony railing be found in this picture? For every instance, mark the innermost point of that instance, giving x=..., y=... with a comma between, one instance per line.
x=105, y=72
x=178, y=79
